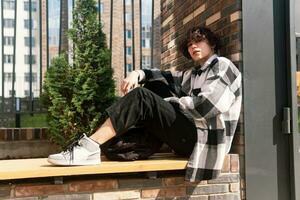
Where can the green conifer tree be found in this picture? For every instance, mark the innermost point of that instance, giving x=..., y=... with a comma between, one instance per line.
x=79, y=94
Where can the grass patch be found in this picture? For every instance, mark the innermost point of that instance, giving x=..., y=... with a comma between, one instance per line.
x=36, y=120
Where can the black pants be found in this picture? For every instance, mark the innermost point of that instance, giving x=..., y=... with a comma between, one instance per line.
x=144, y=106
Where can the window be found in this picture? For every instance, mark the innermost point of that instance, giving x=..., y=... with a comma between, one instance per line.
x=128, y=50
x=128, y=34
x=10, y=92
x=53, y=40
x=146, y=35
x=8, y=76
x=8, y=23
x=26, y=93
x=129, y=67
x=146, y=43
x=101, y=8
x=8, y=59
x=26, y=6
x=27, y=23
x=9, y=41
x=146, y=60
x=128, y=16
x=9, y=4
x=27, y=59
x=27, y=77
x=128, y=2
x=27, y=41
x=143, y=43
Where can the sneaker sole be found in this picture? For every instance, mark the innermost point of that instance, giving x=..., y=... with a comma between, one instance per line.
x=77, y=163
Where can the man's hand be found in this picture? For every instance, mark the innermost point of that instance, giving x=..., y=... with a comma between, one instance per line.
x=130, y=82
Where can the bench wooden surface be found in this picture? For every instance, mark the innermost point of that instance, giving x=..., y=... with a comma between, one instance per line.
x=36, y=168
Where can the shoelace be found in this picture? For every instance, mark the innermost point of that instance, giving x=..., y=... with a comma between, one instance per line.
x=70, y=147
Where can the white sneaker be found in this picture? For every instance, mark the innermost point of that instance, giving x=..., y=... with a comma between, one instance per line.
x=85, y=151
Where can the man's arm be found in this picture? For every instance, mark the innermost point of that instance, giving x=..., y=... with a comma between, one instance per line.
x=172, y=78
x=168, y=76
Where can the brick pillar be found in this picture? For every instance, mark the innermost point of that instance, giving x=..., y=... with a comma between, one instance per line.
x=44, y=37
x=64, y=26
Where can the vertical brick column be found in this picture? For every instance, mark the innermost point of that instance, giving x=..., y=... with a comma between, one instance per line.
x=44, y=37
x=157, y=35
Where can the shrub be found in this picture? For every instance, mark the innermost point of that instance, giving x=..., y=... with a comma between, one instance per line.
x=77, y=95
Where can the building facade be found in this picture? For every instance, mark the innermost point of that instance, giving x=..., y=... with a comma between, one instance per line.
x=134, y=45
x=20, y=62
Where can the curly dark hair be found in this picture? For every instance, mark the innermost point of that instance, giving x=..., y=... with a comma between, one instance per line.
x=198, y=34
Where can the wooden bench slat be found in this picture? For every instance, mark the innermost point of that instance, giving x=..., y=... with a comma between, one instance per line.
x=36, y=168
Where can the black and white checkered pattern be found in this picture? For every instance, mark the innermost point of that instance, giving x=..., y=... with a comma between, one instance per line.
x=212, y=96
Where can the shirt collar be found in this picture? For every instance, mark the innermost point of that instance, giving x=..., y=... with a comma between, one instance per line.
x=208, y=62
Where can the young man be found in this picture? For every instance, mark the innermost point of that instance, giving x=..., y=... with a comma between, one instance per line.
x=196, y=115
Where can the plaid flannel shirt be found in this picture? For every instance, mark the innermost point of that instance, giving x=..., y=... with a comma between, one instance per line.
x=212, y=96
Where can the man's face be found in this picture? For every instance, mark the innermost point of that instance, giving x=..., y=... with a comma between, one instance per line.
x=200, y=51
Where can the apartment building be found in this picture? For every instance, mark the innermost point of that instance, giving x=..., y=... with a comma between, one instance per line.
x=16, y=22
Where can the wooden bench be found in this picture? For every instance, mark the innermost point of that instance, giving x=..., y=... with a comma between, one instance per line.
x=38, y=168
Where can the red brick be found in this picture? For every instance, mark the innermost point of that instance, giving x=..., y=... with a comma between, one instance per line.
x=93, y=185
x=226, y=164
x=2, y=134
x=175, y=192
x=238, y=140
x=44, y=133
x=234, y=158
x=204, y=182
x=173, y=181
x=227, y=2
x=153, y=193
x=29, y=135
x=234, y=187
x=38, y=190
x=23, y=134
x=238, y=149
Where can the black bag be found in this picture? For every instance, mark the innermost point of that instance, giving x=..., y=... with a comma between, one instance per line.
x=135, y=144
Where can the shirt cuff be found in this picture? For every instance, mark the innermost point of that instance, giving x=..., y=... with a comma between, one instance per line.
x=142, y=75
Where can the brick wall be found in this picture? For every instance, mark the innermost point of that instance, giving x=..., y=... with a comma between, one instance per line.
x=16, y=143
x=18, y=134
x=167, y=185
x=221, y=16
